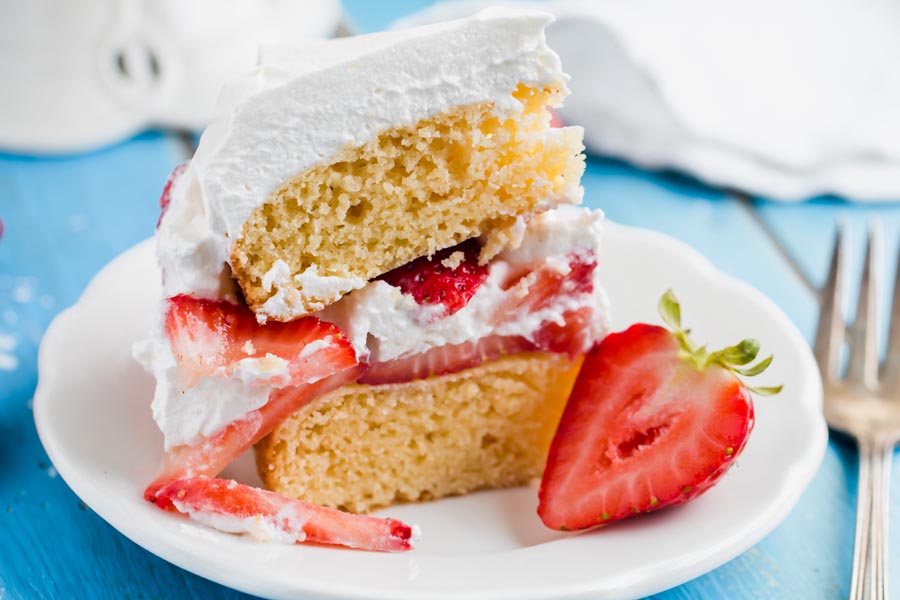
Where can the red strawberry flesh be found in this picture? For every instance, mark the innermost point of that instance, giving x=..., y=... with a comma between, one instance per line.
x=430, y=281
x=209, y=457
x=211, y=337
x=442, y=360
x=527, y=293
x=166, y=198
x=643, y=429
x=540, y=288
x=248, y=509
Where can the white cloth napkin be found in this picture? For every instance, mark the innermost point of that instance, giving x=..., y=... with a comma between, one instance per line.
x=75, y=75
x=784, y=100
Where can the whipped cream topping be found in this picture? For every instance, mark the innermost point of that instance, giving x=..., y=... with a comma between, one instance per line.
x=193, y=259
x=304, y=103
x=383, y=323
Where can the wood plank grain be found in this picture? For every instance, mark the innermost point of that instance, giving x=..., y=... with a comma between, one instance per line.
x=703, y=218
x=808, y=555
x=708, y=220
x=805, y=557
x=807, y=230
x=65, y=218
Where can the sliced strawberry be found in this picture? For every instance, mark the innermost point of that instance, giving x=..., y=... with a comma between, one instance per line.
x=213, y=454
x=573, y=337
x=538, y=289
x=166, y=198
x=527, y=292
x=652, y=421
x=570, y=338
x=450, y=277
x=235, y=508
x=211, y=337
x=442, y=360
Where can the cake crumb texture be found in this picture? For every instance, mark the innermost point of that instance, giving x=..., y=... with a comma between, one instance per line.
x=363, y=447
x=409, y=192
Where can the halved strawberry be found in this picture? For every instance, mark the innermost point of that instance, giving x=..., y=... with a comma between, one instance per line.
x=165, y=199
x=653, y=421
x=209, y=457
x=235, y=508
x=450, y=277
x=211, y=337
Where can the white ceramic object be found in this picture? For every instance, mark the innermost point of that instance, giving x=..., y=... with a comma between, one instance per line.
x=782, y=99
x=92, y=409
x=77, y=75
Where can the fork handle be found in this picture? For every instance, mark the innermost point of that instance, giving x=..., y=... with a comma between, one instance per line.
x=869, y=577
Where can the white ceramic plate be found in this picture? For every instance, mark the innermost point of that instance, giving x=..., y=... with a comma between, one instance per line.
x=92, y=410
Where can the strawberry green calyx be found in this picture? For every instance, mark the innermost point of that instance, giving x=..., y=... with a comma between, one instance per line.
x=733, y=358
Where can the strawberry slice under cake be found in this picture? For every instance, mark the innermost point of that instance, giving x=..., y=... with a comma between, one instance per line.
x=371, y=275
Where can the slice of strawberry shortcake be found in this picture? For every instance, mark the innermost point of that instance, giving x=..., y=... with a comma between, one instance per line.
x=371, y=275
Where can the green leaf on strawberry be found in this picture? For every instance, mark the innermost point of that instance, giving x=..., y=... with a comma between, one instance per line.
x=730, y=358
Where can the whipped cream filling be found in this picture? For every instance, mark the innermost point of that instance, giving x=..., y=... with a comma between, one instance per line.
x=287, y=302
x=188, y=414
x=261, y=528
x=383, y=323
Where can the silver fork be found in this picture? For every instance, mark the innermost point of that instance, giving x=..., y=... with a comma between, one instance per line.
x=863, y=402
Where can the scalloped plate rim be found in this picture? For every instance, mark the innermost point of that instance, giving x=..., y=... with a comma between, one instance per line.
x=169, y=543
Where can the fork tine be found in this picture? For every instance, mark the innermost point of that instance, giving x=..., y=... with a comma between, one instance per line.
x=862, y=367
x=891, y=370
x=830, y=331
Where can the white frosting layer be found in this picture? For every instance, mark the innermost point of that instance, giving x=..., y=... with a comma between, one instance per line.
x=185, y=415
x=192, y=258
x=383, y=323
x=302, y=106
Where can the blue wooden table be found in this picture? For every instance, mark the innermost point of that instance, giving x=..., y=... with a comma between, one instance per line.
x=66, y=217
